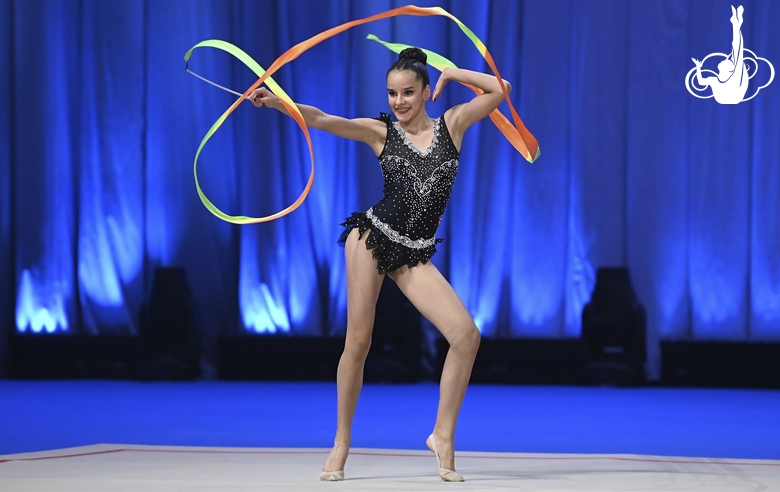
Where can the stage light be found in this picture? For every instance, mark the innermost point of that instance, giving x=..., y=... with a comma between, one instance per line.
x=168, y=329
x=614, y=330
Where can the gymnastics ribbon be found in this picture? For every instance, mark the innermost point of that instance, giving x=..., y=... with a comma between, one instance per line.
x=516, y=133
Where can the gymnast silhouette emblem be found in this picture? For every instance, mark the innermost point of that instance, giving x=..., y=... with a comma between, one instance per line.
x=730, y=84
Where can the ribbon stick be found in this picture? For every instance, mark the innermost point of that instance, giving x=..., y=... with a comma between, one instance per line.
x=516, y=133
x=204, y=79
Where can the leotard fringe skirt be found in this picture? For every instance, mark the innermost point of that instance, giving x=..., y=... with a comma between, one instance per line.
x=390, y=255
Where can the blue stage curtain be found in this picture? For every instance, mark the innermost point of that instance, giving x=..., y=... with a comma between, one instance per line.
x=47, y=96
x=6, y=157
x=763, y=256
x=102, y=124
x=110, y=243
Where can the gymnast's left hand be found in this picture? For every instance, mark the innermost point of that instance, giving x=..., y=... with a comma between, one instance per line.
x=444, y=78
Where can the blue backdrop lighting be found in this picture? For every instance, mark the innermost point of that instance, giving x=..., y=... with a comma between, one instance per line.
x=100, y=123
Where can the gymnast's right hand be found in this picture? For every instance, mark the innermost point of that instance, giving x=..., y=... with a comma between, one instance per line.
x=263, y=97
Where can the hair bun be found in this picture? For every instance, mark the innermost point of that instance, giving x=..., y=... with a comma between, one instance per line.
x=415, y=54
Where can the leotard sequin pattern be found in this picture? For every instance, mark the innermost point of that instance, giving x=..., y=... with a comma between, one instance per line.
x=418, y=185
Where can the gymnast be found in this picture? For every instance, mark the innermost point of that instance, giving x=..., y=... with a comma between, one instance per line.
x=397, y=236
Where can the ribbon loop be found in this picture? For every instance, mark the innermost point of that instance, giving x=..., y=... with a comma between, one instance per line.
x=517, y=134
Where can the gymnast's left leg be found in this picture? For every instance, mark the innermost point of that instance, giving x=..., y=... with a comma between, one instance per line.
x=435, y=298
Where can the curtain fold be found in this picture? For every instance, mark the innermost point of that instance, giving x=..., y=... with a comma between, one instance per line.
x=101, y=126
x=179, y=111
x=658, y=171
x=7, y=280
x=764, y=227
x=110, y=245
x=45, y=134
x=539, y=198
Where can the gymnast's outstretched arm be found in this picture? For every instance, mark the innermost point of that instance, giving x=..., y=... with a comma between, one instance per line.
x=368, y=130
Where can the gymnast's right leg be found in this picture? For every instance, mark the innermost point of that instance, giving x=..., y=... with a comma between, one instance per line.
x=363, y=285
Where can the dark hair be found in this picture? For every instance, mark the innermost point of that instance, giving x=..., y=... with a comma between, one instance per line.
x=413, y=59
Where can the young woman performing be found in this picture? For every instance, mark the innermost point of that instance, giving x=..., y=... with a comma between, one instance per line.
x=397, y=236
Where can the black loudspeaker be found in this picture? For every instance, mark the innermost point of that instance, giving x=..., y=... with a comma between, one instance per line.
x=171, y=349
x=396, y=344
x=614, y=331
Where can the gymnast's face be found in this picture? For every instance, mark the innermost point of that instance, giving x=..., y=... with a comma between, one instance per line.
x=406, y=95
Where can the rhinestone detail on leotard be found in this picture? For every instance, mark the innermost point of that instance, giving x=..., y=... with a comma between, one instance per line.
x=397, y=237
x=402, y=225
x=434, y=142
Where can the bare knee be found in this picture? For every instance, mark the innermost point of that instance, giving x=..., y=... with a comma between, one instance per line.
x=356, y=347
x=467, y=340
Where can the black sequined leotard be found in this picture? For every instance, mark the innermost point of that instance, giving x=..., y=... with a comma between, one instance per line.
x=417, y=188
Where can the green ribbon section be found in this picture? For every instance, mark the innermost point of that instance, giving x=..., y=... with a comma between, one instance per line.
x=273, y=86
x=434, y=59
